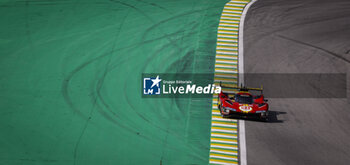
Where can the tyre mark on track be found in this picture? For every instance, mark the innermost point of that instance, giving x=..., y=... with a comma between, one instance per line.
x=172, y=43
x=315, y=47
x=155, y=25
x=69, y=77
x=67, y=80
x=96, y=91
x=155, y=5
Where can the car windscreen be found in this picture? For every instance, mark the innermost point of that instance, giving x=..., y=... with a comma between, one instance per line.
x=244, y=99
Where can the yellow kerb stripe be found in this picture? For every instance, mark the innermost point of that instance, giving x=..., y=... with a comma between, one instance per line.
x=226, y=123
x=223, y=128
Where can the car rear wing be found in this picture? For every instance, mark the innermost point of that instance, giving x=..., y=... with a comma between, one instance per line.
x=241, y=88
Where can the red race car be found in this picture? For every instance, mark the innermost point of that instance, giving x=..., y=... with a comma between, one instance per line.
x=243, y=103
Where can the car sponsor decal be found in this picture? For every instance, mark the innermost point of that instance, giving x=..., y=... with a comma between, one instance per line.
x=245, y=108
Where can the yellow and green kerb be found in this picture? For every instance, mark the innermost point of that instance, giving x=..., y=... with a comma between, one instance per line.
x=224, y=132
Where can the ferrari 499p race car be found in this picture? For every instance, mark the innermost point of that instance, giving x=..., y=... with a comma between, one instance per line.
x=243, y=103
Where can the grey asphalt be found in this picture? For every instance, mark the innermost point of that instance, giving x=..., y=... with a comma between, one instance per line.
x=300, y=36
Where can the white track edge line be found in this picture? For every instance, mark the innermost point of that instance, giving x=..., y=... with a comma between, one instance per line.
x=241, y=124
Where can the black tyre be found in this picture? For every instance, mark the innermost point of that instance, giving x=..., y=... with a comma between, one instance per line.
x=264, y=117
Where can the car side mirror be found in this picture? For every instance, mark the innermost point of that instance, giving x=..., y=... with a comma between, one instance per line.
x=265, y=100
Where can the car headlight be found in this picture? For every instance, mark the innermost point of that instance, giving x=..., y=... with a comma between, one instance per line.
x=260, y=111
x=231, y=109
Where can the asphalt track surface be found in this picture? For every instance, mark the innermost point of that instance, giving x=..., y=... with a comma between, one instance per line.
x=311, y=36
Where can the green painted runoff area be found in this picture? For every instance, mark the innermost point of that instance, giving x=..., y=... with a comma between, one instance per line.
x=70, y=81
